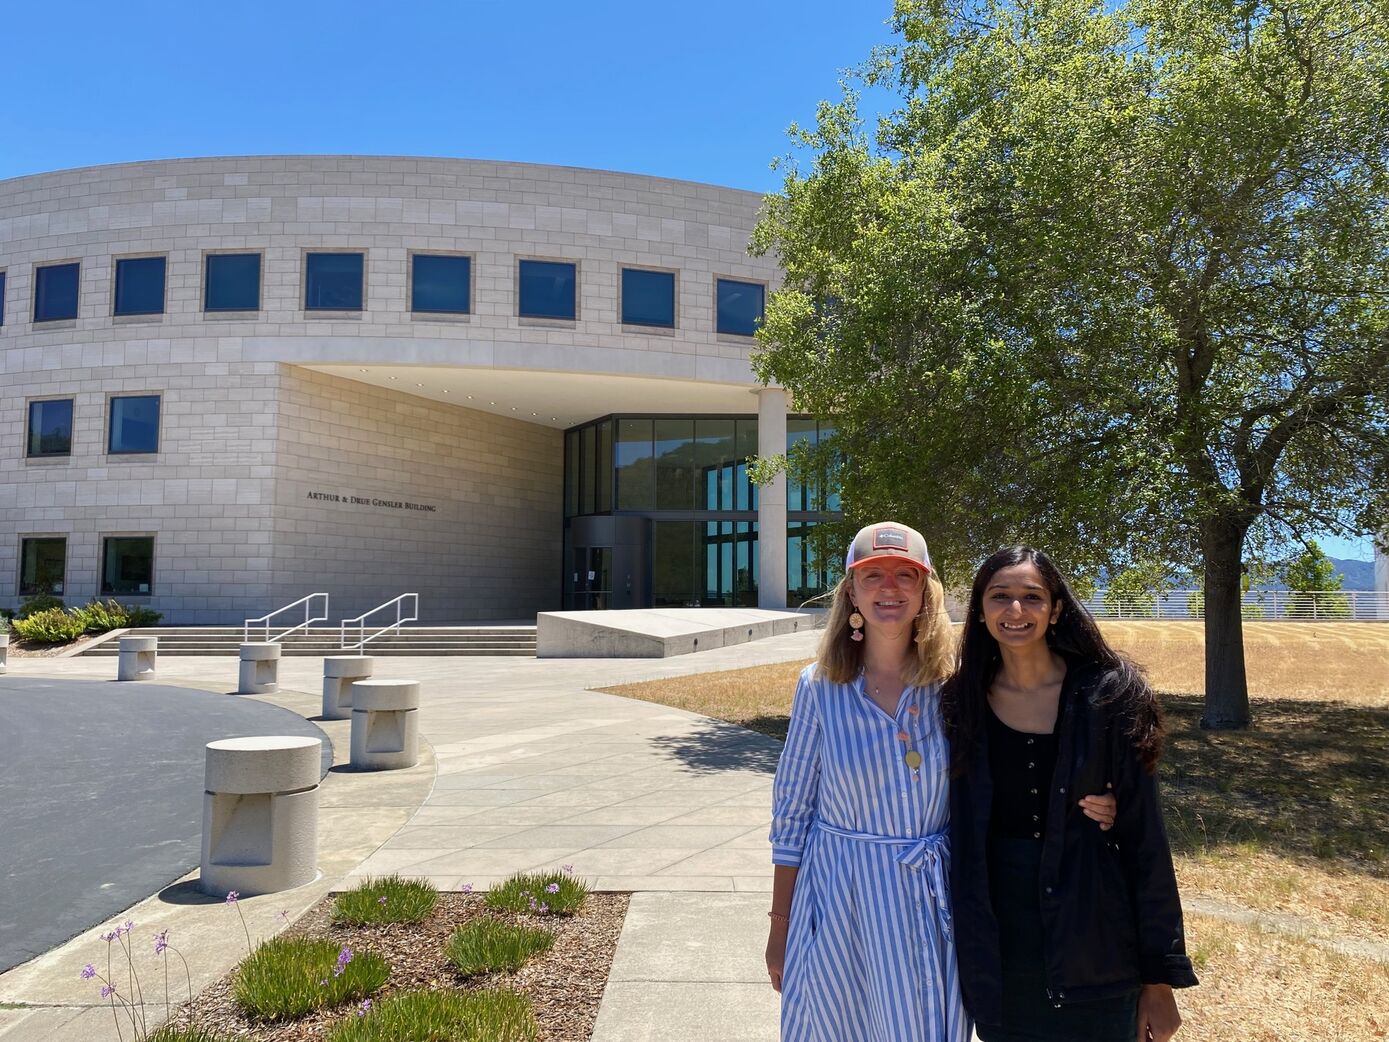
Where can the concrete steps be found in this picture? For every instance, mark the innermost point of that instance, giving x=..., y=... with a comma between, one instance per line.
x=411, y=640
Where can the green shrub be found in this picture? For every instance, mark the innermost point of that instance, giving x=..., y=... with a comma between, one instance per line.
x=290, y=976
x=53, y=626
x=102, y=616
x=38, y=603
x=137, y=616
x=495, y=1015
x=389, y=899
x=539, y=893
x=487, y=945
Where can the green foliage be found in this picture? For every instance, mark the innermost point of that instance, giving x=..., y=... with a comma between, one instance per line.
x=527, y=891
x=495, y=1015
x=1312, y=571
x=1110, y=280
x=288, y=977
x=53, y=626
x=38, y=603
x=387, y=899
x=173, y=1034
x=1133, y=593
x=487, y=945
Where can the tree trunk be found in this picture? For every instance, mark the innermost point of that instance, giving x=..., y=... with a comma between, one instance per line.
x=1227, y=687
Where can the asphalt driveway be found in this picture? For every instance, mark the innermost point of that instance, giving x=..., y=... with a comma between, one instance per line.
x=101, y=796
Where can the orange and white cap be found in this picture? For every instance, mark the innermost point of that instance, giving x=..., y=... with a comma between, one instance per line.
x=888, y=539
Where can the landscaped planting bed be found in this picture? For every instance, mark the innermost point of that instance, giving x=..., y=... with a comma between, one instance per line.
x=552, y=997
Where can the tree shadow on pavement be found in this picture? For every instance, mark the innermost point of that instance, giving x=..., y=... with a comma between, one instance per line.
x=723, y=747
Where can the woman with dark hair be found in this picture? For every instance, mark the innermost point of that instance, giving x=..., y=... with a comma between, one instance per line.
x=861, y=944
x=1064, y=932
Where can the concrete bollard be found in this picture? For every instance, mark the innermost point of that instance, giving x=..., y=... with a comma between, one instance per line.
x=4, y=650
x=260, y=814
x=137, y=658
x=339, y=671
x=385, y=724
x=260, y=669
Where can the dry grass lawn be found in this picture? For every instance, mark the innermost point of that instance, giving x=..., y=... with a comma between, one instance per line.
x=1291, y=816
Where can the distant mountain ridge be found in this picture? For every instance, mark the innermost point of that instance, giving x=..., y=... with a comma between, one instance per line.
x=1355, y=575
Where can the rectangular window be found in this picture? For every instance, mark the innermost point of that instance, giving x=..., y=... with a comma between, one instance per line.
x=231, y=282
x=134, y=425
x=740, y=306
x=140, y=286
x=2, y=298
x=55, y=292
x=675, y=452
x=333, y=281
x=635, y=466
x=41, y=566
x=127, y=565
x=50, y=428
x=547, y=289
x=441, y=285
x=648, y=298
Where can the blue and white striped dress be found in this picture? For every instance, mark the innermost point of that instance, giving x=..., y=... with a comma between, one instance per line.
x=870, y=956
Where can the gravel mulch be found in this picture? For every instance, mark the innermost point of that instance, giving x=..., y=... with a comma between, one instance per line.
x=565, y=984
x=24, y=649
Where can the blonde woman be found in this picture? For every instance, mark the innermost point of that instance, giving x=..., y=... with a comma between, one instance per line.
x=861, y=944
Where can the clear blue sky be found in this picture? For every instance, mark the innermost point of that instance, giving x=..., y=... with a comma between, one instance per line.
x=698, y=91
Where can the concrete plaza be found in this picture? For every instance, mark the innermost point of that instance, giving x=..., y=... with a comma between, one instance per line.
x=525, y=768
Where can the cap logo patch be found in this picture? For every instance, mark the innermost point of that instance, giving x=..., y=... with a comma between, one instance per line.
x=890, y=539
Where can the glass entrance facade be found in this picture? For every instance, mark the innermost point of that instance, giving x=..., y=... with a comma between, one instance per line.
x=688, y=509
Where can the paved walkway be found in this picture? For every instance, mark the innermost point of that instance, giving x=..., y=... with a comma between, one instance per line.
x=527, y=769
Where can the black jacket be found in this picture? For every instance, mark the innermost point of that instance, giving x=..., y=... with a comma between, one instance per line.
x=1110, y=911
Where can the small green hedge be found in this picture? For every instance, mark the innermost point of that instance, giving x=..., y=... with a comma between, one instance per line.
x=51, y=624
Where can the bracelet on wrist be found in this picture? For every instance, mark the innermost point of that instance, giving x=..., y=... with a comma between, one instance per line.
x=778, y=917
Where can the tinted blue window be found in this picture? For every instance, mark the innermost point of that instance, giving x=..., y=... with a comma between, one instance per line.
x=232, y=282
x=140, y=286
x=2, y=298
x=547, y=289
x=740, y=307
x=55, y=292
x=648, y=297
x=134, y=424
x=441, y=284
x=50, y=428
x=333, y=282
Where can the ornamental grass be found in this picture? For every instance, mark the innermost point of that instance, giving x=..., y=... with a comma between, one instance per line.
x=288, y=977
x=495, y=1015
x=539, y=893
x=387, y=899
x=488, y=945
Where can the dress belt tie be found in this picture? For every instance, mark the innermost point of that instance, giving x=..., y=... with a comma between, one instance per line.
x=929, y=855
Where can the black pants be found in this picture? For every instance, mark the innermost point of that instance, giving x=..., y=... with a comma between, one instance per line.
x=1028, y=1014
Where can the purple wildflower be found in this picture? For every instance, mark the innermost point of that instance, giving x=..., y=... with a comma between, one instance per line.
x=567, y=868
x=109, y=937
x=107, y=990
x=232, y=897
x=533, y=903
x=284, y=914
x=544, y=908
x=364, y=1008
x=161, y=942
x=344, y=957
x=381, y=900
x=553, y=888
x=467, y=888
x=129, y=926
x=88, y=971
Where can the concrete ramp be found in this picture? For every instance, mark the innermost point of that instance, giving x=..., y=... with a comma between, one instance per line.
x=657, y=632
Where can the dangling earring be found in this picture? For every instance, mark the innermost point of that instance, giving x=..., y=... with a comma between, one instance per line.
x=855, y=626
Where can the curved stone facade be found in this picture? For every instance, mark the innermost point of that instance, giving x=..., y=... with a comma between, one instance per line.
x=363, y=453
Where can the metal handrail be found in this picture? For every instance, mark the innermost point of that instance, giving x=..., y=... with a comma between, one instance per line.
x=361, y=622
x=1255, y=605
x=309, y=619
